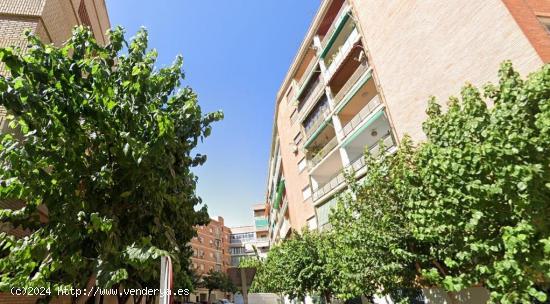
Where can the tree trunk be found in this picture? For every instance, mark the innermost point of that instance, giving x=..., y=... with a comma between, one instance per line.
x=89, y=285
x=327, y=296
x=209, y=292
x=138, y=300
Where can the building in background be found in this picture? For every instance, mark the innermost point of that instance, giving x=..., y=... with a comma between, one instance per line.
x=362, y=77
x=247, y=241
x=210, y=253
x=51, y=20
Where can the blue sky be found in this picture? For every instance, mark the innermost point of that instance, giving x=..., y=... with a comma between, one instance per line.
x=236, y=53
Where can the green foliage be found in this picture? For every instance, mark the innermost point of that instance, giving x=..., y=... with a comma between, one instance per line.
x=371, y=232
x=217, y=280
x=105, y=148
x=483, y=183
x=467, y=207
x=297, y=267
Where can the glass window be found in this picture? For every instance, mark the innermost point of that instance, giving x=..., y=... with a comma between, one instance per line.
x=302, y=164
x=306, y=192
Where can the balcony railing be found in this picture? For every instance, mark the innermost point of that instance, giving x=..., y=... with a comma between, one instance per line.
x=323, y=152
x=319, y=120
x=361, y=116
x=312, y=64
x=311, y=96
x=335, y=24
x=350, y=82
x=338, y=58
x=356, y=166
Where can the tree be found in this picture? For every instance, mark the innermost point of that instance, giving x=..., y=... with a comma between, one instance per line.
x=483, y=184
x=467, y=207
x=217, y=280
x=372, y=243
x=297, y=267
x=106, y=150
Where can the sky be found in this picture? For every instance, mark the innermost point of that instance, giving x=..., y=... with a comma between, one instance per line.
x=236, y=54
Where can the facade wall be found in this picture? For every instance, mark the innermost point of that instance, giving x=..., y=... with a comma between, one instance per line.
x=410, y=51
x=210, y=252
x=527, y=14
x=424, y=48
x=299, y=209
x=211, y=247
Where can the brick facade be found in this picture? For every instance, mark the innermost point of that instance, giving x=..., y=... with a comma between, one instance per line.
x=211, y=247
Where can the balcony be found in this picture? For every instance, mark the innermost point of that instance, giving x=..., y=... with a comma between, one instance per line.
x=336, y=26
x=320, y=154
x=358, y=166
x=316, y=119
x=308, y=73
x=346, y=81
x=340, y=51
x=261, y=223
x=311, y=94
x=362, y=116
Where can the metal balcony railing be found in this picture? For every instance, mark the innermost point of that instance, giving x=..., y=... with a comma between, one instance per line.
x=334, y=26
x=312, y=64
x=356, y=166
x=338, y=58
x=367, y=110
x=360, y=71
x=319, y=120
x=323, y=152
x=312, y=95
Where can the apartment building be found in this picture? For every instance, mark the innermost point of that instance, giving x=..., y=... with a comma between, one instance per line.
x=247, y=241
x=210, y=253
x=51, y=20
x=363, y=75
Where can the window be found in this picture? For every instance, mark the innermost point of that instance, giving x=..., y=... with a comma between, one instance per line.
x=298, y=139
x=242, y=237
x=210, y=230
x=289, y=94
x=545, y=22
x=202, y=266
x=306, y=192
x=302, y=164
x=211, y=255
x=293, y=116
x=312, y=223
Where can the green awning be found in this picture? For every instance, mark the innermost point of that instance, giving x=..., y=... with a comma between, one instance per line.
x=279, y=197
x=360, y=130
x=320, y=128
x=332, y=39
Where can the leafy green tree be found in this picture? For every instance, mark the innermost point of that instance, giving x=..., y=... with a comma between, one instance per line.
x=296, y=267
x=217, y=280
x=371, y=235
x=483, y=188
x=106, y=150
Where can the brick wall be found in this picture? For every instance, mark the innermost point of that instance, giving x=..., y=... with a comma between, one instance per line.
x=525, y=13
x=22, y=7
x=432, y=47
